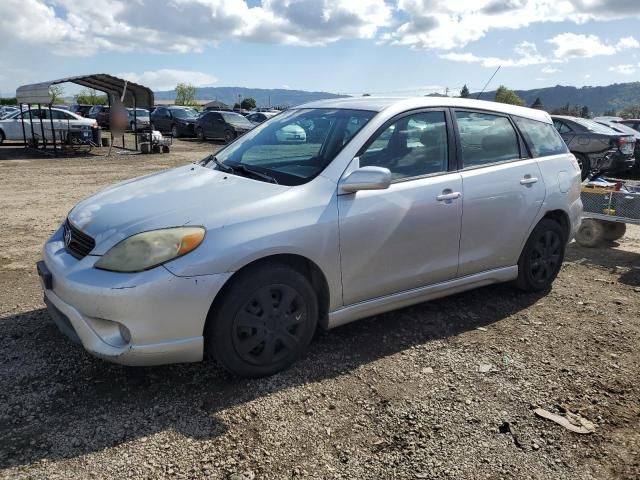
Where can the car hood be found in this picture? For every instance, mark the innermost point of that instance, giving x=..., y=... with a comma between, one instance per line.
x=189, y=195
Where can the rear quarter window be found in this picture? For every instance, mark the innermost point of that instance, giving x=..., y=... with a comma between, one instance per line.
x=542, y=138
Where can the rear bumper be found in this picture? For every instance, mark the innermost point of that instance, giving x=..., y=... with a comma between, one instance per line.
x=146, y=318
x=621, y=162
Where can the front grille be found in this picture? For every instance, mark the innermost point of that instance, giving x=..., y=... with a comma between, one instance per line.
x=77, y=243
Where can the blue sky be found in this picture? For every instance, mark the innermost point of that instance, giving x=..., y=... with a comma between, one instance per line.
x=375, y=46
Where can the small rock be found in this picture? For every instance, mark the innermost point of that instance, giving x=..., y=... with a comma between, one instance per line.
x=485, y=367
x=536, y=446
x=427, y=370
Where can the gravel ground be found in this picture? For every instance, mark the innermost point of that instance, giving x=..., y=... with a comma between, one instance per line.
x=441, y=390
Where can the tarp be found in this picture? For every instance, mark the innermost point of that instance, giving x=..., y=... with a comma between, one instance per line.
x=136, y=95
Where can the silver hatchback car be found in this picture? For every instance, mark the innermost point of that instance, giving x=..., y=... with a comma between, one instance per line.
x=383, y=203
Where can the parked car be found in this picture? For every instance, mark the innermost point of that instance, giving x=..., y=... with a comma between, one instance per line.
x=179, y=121
x=258, y=117
x=626, y=130
x=63, y=121
x=291, y=134
x=6, y=111
x=141, y=119
x=631, y=122
x=222, y=125
x=79, y=109
x=589, y=140
x=102, y=115
x=244, y=254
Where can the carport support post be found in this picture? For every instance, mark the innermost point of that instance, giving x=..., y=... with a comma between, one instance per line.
x=24, y=134
x=53, y=132
x=33, y=135
x=135, y=120
x=44, y=137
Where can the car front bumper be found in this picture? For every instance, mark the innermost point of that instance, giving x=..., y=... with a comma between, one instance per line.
x=145, y=318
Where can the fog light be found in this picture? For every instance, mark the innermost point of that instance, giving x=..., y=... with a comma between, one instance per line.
x=124, y=333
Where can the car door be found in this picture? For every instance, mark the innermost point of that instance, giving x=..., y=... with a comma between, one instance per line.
x=502, y=188
x=406, y=236
x=216, y=125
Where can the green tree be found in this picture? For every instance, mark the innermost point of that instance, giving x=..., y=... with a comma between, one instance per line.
x=185, y=94
x=504, y=95
x=610, y=113
x=56, y=93
x=584, y=112
x=8, y=101
x=248, y=103
x=464, y=93
x=630, y=111
x=236, y=106
x=90, y=97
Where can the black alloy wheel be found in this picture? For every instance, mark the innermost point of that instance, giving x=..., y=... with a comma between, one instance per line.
x=542, y=256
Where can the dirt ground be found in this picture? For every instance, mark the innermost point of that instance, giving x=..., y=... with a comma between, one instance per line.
x=441, y=390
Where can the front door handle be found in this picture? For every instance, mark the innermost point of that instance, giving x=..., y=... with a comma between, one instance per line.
x=448, y=195
x=528, y=180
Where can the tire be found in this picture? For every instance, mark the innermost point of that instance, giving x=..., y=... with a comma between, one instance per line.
x=133, y=126
x=200, y=134
x=250, y=334
x=613, y=230
x=174, y=131
x=542, y=257
x=229, y=136
x=585, y=165
x=2, y=137
x=591, y=233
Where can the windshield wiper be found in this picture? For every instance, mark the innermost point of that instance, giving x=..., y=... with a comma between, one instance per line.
x=221, y=166
x=244, y=169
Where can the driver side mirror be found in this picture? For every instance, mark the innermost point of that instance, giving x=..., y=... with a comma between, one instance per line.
x=366, y=178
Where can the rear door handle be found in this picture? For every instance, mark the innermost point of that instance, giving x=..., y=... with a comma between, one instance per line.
x=528, y=180
x=449, y=195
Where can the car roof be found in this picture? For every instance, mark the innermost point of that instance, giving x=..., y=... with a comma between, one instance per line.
x=379, y=104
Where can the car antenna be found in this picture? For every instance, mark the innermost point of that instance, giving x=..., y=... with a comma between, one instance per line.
x=488, y=82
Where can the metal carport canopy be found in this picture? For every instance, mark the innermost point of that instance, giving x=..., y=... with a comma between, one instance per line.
x=136, y=95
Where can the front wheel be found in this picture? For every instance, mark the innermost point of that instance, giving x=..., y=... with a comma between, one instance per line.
x=229, y=136
x=200, y=134
x=133, y=127
x=2, y=137
x=542, y=257
x=264, y=322
x=174, y=131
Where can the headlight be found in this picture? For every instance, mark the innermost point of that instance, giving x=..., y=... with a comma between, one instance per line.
x=150, y=249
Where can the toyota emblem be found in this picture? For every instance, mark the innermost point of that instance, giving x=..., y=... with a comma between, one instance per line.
x=67, y=237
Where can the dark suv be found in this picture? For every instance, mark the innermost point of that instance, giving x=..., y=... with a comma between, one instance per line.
x=222, y=125
x=590, y=141
x=101, y=113
x=179, y=121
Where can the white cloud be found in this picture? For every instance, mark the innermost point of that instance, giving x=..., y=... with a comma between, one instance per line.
x=527, y=54
x=449, y=24
x=625, y=69
x=167, y=79
x=549, y=70
x=83, y=28
x=572, y=45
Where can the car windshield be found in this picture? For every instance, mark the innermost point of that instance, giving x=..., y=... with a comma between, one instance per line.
x=182, y=113
x=141, y=113
x=297, y=145
x=236, y=119
x=594, y=126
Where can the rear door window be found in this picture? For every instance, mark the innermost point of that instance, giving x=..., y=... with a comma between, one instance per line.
x=486, y=139
x=542, y=138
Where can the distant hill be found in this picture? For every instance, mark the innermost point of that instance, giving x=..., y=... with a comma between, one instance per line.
x=598, y=99
x=263, y=97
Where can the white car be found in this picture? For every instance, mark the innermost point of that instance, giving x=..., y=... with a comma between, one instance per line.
x=62, y=122
x=292, y=133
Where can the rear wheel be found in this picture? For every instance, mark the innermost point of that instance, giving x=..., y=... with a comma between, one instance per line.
x=542, y=257
x=613, y=230
x=200, y=134
x=590, y=233
x=174, y=131
x=2, y=137
x=585, y=164
x=133, y=126
x=264, y=322
x=229, y=136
